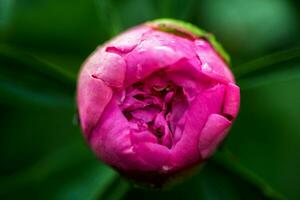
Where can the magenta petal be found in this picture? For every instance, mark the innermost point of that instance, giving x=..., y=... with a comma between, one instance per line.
x=186, y=149
x=214, y=75
x=217, y=67
x=143, y=136
x=167, y=139
x=144, y=115
x=232, y=100
x=212, y=134
x=113, y=141
x=148, y=57
x=111, y=68
x=154, y=154
x=188, y=75
x=91, y=102
x=127, y=41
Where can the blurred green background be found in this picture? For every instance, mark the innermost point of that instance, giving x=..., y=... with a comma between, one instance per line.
x=44, y=42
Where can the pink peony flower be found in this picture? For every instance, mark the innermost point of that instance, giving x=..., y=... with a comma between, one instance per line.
x=157, y=99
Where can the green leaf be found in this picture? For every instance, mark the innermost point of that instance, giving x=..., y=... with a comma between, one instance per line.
x=226, y=160
x=6, y=8
x=58, y=160
x=25, y=77
x=91, y=183
x=55, y=173
x=108, y=17
x=180, y=10
x=269, y=69
x=117, y=190
x=46, y=26
x=265, y=136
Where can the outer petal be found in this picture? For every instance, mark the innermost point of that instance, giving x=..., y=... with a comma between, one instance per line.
x=116, y=144
x=212, y=134
x=155, y=155
x=186, y=150
x=147, y=58
x=92, y=97
x=111, y=68
x=111, y=140
x=210, y=72
x=213, y=65
x=232, y=100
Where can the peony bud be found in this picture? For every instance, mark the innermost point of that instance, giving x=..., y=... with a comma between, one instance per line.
x=157, y=99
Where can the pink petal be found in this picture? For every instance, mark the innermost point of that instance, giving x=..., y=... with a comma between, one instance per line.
x=127, y=41
x=145, y=115
x=232, y=100
x=92, y=97
x=215, y=75
x=111, y=140
x=186, y=149
x=154, y=154
x=212, y=134
x=147, y=58
x=111, y=68
x=142, y=136
x=217, y=68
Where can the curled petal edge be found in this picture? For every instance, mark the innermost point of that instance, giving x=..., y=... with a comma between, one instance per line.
x=212, y=134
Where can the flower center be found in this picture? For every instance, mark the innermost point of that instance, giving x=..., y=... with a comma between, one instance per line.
x=152, y=105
